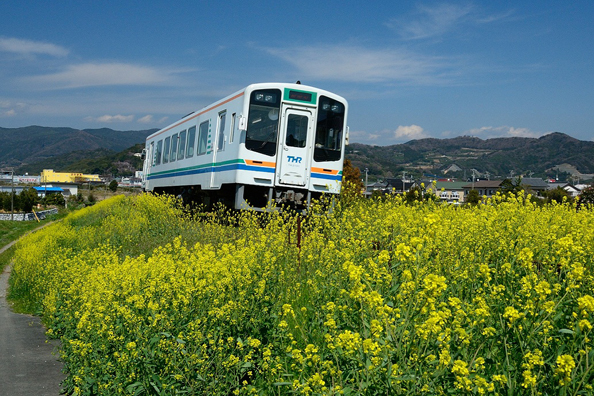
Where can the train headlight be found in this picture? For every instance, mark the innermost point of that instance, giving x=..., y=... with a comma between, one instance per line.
x=265, y=97
x=337, y=108
x=325, y=106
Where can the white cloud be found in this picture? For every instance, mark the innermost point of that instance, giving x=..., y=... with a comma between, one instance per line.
x=101, y=74
x=147, y=119
x=503, y=131
x=434, y=22
x=409, y=132
x=430, y=21
x=402, y=134
x=361, y=64
x=11, y=109
x=111, y=118
x=364, y=137
x=29, y=47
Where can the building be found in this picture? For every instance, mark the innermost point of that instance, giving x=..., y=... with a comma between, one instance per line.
x=486, y=188
x=535, y=184
x=399, y=186
x=46, y=190
x=448, y=191
x=49, y=176
x=572, y=190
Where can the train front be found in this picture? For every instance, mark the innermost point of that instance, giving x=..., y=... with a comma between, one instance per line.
x=294, y=144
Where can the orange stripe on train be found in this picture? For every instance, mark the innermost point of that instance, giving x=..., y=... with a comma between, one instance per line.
x=261, y=163
x=324, y=170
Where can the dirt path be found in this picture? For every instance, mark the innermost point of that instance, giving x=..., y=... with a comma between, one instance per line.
x=28, y=364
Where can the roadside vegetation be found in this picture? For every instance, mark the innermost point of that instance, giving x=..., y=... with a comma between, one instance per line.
x=12, y=230
x=385, y=296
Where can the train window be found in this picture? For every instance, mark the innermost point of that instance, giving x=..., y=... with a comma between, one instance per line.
x=221, y=128
x=263, y=119
x=329, y=130
x=296, y=130
x=203, y=138
x=232, y=129
x=157, y=160
x=191, y=142
x=181, y=145
x=173, y=148
x=166, y=150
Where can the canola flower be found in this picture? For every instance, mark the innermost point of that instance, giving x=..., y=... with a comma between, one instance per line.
x=380, y=297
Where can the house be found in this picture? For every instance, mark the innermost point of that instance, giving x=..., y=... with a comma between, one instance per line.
x=376, y=186
x=571, y=189
x=399, y=186
x=486, y=188
x=48, y=190
x=535, y=184
x=448, y=191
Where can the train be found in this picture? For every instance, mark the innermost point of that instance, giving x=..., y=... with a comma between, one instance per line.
x=267, y=145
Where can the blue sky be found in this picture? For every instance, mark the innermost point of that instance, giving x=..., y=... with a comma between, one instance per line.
x=408, y=69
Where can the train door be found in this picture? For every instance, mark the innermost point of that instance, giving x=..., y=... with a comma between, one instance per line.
x=218, y=145
x=296, y=139
x=148, y=162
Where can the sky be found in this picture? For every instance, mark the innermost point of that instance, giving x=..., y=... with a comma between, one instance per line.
x=409, y=70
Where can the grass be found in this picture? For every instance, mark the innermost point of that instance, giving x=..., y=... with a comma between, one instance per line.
x=12, y=230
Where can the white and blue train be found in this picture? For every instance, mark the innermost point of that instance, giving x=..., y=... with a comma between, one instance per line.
x=269, y=142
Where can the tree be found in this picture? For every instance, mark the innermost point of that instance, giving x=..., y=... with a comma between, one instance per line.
x=586, y=196
x=557, y=195
x=473, y=197
x=28, y=199
x=509, y=186
x=113, y=185
x=351, y=181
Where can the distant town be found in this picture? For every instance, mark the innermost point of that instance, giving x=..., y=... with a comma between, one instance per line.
x=65, y=183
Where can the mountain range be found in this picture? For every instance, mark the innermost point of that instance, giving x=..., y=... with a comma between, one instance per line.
x=106, y=151
x=552, y=155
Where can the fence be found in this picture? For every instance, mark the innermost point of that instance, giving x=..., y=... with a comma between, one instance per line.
x=28, y=216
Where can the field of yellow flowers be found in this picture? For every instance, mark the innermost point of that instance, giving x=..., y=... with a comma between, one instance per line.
x=376, y=297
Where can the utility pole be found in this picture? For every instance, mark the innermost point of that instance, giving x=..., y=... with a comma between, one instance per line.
x=12, y=195
x=366, y=172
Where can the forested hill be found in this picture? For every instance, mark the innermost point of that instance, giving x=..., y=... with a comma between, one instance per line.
x=34, y=144
x=105, y=151
x=548, y=155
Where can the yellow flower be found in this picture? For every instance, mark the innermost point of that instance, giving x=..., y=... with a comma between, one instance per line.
x=565, y=365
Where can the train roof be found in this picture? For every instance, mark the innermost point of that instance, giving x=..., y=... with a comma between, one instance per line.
x=237, y=94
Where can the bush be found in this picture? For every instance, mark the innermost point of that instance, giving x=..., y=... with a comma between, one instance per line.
x=113, y=186
x=380, y=297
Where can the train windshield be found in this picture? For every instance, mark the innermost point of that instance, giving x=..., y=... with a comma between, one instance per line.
x=329, y=130
x=263, y=121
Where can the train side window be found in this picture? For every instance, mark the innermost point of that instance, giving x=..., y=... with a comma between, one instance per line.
x=181, y=145
x=232, y=129
x=203, y=138
x=191, y=142
x=166, y=150
x=157, y=160
x=173, y=148
x=221, y=128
